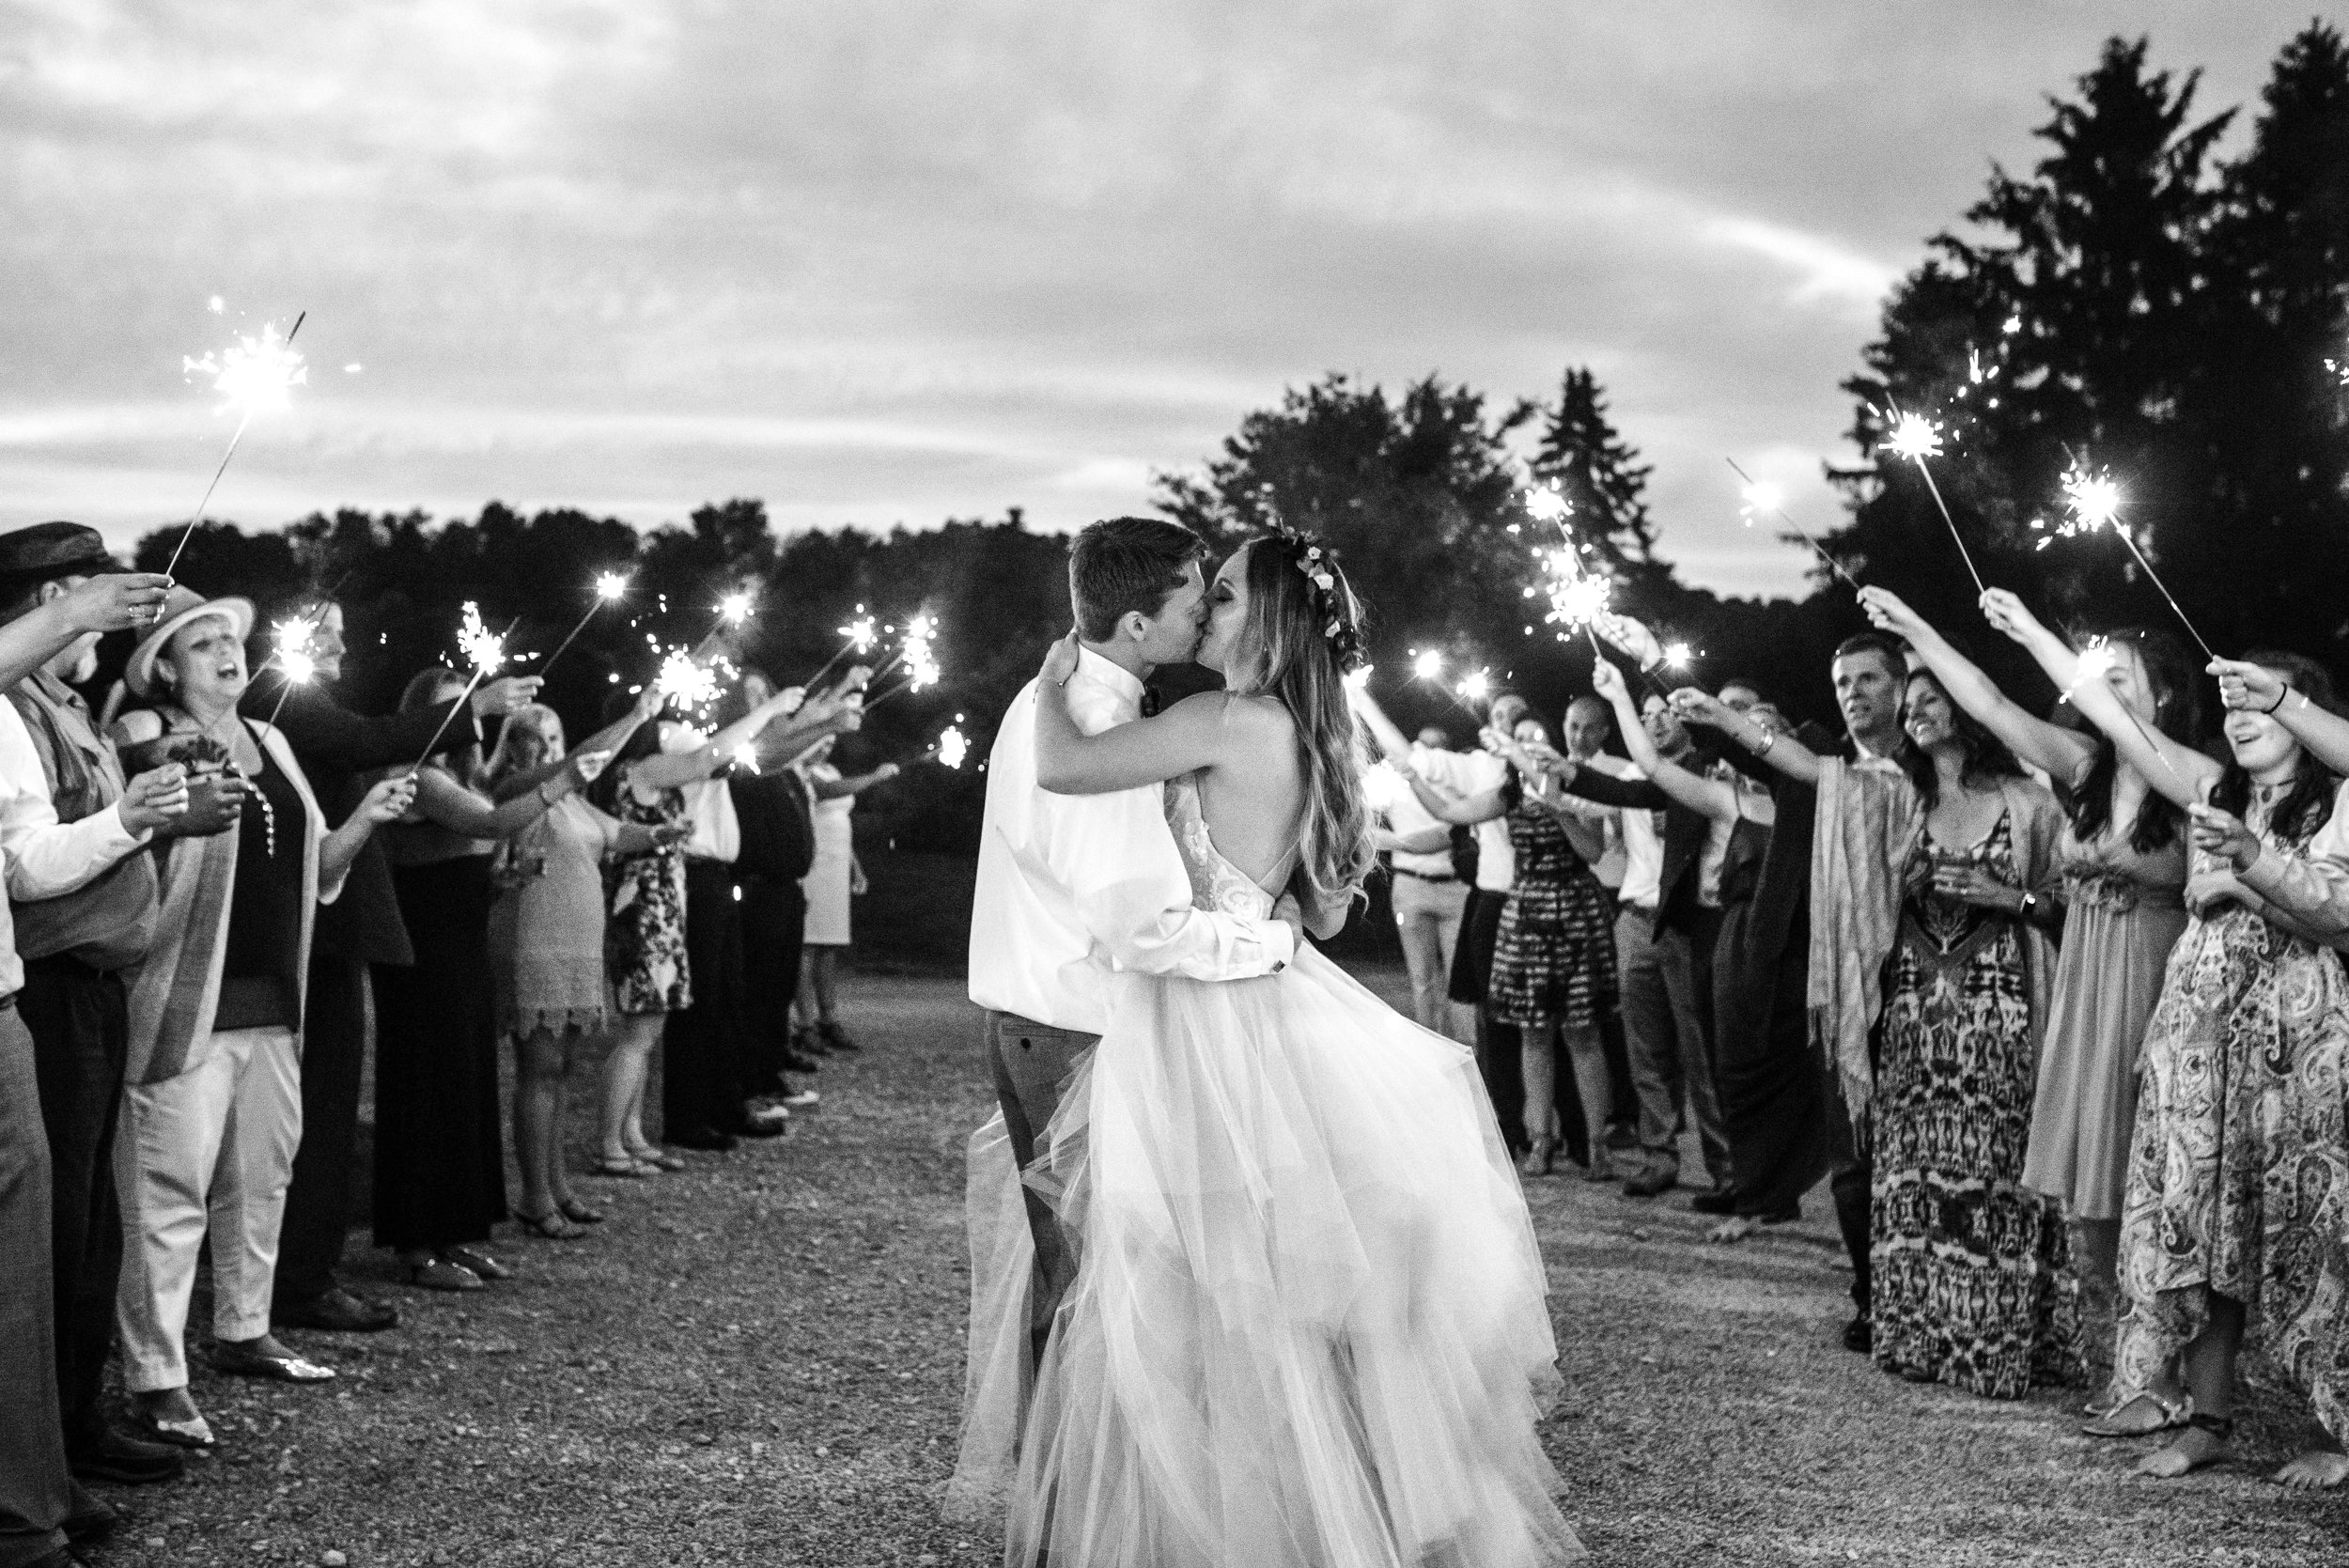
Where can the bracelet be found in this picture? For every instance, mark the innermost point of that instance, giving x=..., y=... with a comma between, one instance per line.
x=1769, y=738
x=2279, y=699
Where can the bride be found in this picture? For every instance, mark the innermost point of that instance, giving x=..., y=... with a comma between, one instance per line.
x=1308, y=1327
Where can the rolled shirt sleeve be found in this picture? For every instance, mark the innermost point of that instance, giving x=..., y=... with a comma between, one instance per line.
x=1126, y=876
x=45, y=858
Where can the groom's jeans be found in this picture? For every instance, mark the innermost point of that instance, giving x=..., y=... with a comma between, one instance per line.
x=1030, y=1061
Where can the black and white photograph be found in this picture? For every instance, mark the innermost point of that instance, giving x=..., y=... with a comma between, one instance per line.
x=1173, y=784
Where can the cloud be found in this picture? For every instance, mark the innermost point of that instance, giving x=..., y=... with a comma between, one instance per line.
x=1824, y=271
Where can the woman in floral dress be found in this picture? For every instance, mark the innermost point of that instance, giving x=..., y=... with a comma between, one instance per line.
x=1972, y=1284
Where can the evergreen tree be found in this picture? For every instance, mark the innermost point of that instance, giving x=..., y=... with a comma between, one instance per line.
x=1598, y=472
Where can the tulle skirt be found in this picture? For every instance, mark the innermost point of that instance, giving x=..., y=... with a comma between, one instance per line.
x=1308, y=1327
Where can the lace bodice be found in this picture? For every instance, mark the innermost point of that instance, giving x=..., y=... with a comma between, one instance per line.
x=2112, y=874
x=1216, y=883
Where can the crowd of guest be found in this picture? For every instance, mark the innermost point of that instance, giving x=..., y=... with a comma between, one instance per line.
x=228, y=890
x=2055, y=1004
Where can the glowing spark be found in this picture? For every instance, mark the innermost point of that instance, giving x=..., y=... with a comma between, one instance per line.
x=746, y=757
x=2093, y=498
x=1475, y=686
x=2013, y=324
x=217, y=304
x=1759, y=499
x=734, y=608
x=1358, y=678
x=1677, y=655
x=353, y=368
x=1428, y=665
x=1576, y=598
x=952, y=747
x=609, y=585
x=684, y=681
x=1914, y=437
x=921, y=658
x=860, y=632
x=255, y=373
x=2096, y=663
x=1546, y=503
x=484, y=649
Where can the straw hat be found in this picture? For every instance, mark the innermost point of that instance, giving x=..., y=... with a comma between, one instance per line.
x=181, y=606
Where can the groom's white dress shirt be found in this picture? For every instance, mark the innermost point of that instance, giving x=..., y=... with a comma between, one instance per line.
x=1070, y=886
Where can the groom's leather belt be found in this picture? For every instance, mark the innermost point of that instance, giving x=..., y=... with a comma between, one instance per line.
x=1424, y=876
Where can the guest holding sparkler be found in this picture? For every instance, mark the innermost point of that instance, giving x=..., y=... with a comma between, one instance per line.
x=1425, y=890
x=2248, y=999
x=440, y=1165
x=1553, y=967
x=82, y=905
x=546, y=940
x=2123, y=862
x=773, y=805
x=213, y=1109
x=361, y=929
x=832, y=881
x=644, y=947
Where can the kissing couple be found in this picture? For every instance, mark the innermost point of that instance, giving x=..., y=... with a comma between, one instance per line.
x=1253, y=1279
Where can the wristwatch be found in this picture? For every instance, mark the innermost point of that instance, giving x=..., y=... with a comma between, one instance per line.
x=2031, y=906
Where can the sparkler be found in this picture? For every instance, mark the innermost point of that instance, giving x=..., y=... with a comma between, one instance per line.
x=1428, y=665
x=1475, y=692
x=486, y=652
x=919, y=656
x=950, y=748
x=685, y=681
x=1764, y=499
x=2094, y=501
x=255, y=375
x=860, y=634
x=293, y=659
x=1678, y=656
x=1915, y=437
x=610, y=586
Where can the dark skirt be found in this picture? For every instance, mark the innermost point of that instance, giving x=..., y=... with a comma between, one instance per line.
x=440, y=1158
x=703, y=1076
x=1769, y=1080
x=1473, y=954
x=774, y=921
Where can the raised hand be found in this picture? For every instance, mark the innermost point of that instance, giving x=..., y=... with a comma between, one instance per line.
x=115, y=602
x=1631, y=636
x=2246, y=687
x=506, y=697
x=587, y=765
x=2004, y=610
x=1696, y=705
x=1060, y=661
x=155, y=797
x=1607, y=681
x=388, y=800
x=1888, y=612
x=886, y=772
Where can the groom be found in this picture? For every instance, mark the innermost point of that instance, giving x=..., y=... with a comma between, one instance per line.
x=1071, y=887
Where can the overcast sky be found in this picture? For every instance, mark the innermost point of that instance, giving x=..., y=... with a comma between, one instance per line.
x=887, y=263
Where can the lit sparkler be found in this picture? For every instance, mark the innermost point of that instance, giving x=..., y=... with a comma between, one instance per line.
x=1547, y=504
x=255, y=374
x=486, y=651
x=2096, y=663
x=1356, y=678
x=1678, y=656
x=952, y=747
x=1916, y=438
x=917, y=652
x=684, y=681
x=1428, y=665
x=609, y=588
x=734, y=608
x=1760, y=499
x=858, y=638
x=2093, y=499
x=295, y=662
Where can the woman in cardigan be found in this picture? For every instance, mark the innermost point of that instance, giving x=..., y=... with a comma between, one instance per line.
x=546, y=942
x=212, y=1110
x=440, y=1161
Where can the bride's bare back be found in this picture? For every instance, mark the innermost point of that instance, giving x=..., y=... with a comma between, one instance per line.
x=1252, y=797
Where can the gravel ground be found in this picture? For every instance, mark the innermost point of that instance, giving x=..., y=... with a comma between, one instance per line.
x=759, y=1361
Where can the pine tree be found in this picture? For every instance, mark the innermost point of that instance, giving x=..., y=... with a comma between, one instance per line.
x=1598, y=472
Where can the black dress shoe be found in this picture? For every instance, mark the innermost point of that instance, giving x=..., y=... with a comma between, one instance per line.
x=338, y=1311
x=91, y=1520
x=761, y=1124
x=1721, y=1200
x=119, y=1457
x=1859, y=1338
x=709, y=1139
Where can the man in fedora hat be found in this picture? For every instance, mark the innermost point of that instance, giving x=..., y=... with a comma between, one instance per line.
x=40, y=1501
x=82, y=905
x=363, y=927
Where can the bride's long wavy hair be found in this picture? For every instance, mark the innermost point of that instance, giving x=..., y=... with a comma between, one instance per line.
x=1301, y=635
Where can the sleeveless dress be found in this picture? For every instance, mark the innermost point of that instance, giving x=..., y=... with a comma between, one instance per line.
x=1554, y=958
x=1972, y=1282
x=2239, y=1167
x=2123, y=912
x=1308, y=1327
x=643, y=940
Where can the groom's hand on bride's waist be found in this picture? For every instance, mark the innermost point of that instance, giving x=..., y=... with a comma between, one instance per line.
x=1290, y=913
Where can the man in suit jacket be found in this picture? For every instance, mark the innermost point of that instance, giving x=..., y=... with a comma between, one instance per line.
x=363, y=927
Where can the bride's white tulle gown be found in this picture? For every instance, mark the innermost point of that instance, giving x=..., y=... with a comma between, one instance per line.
x=1308, y=1327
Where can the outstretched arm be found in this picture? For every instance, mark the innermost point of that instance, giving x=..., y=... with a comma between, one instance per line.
x=1790, y=756
x=2062, y=755
x=2254, y=689
x=1708, y=798
x=2179, y=772
x=1382, y=729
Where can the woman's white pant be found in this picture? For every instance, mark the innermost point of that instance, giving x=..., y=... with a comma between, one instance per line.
x=212, y=1149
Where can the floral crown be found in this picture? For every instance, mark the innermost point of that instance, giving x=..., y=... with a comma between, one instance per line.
x=1318, y=567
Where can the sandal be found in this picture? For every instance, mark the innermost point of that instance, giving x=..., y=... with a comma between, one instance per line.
x=553, y=1225
x=629, y=1168
x=238, y=1362
x=194, y=1433
x=2173, y=1415
x=2220, y=1427
x=660, y=1159
x=579, y=1213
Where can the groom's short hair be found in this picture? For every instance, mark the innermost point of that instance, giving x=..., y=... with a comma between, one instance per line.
x=1122, y=563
